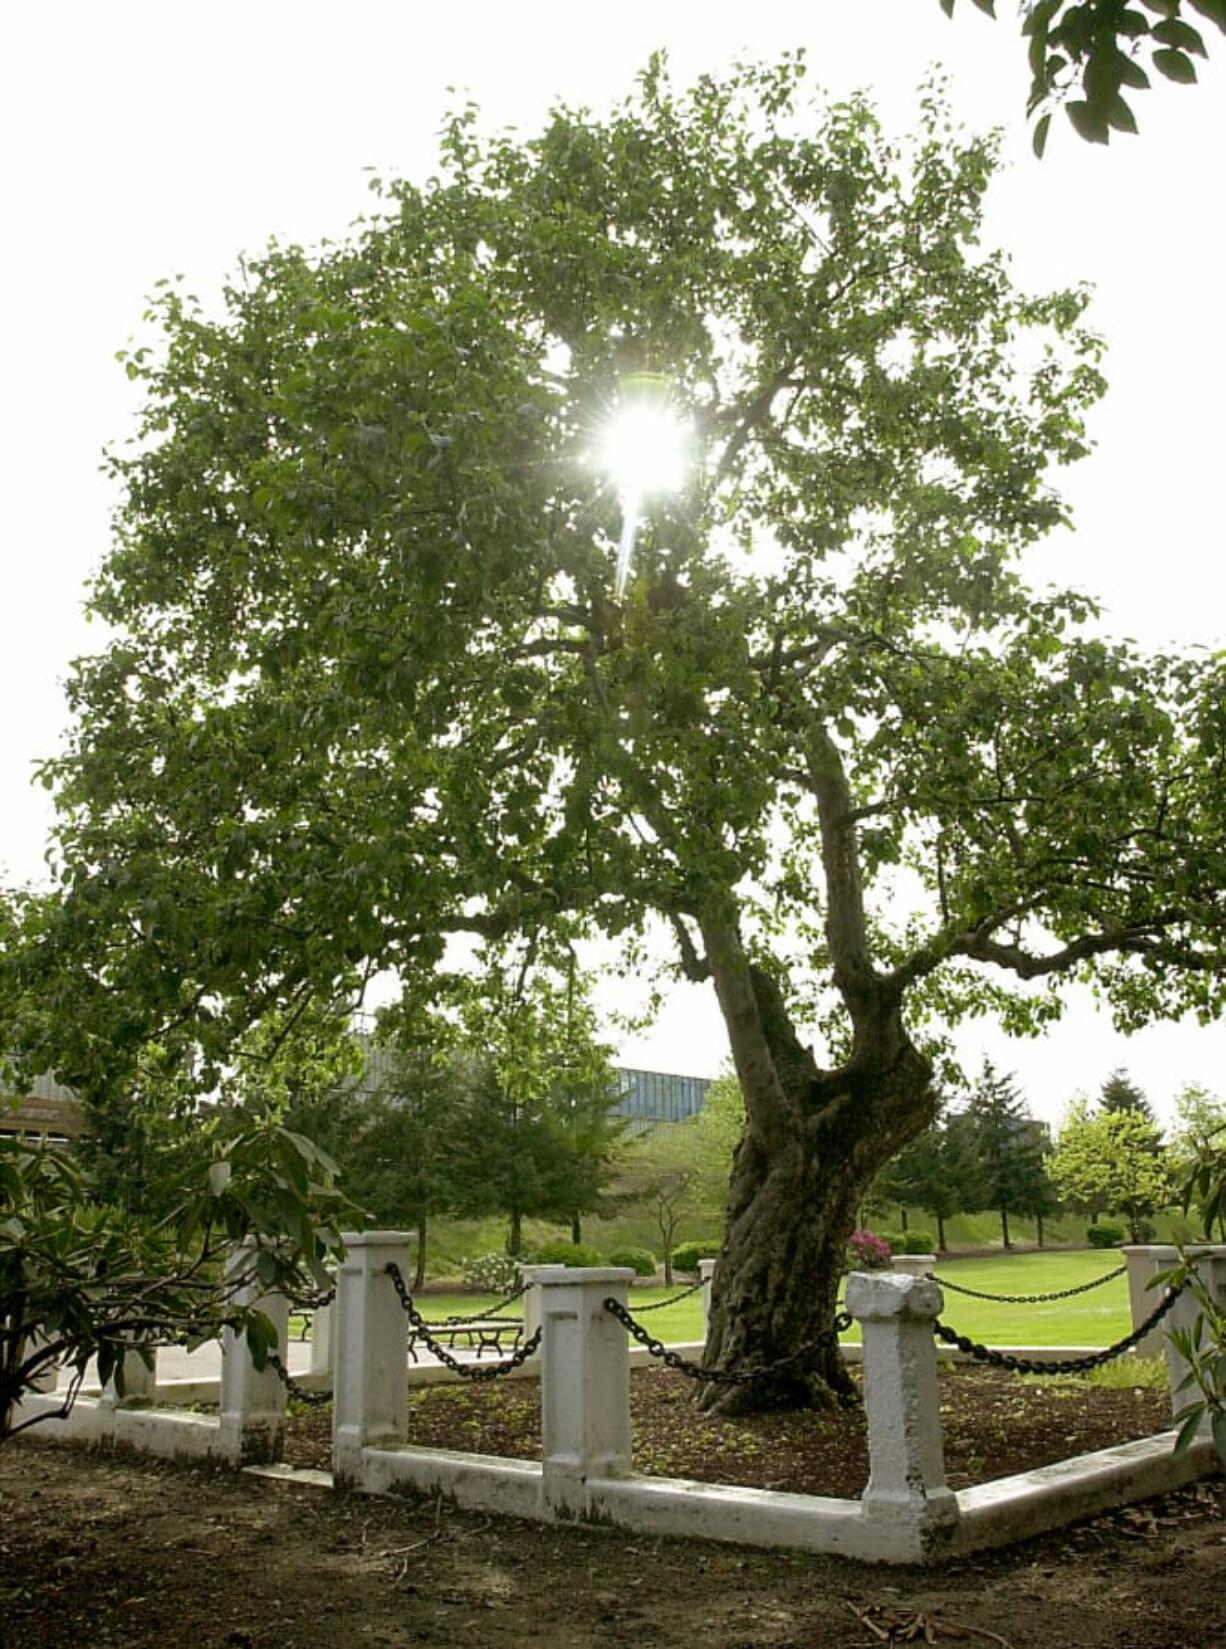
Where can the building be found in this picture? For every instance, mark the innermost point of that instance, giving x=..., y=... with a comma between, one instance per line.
x=657, y=1096
x=47, y=1110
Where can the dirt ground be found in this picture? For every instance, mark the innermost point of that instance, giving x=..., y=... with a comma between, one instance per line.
x=117, y=1550
x=995, y=1425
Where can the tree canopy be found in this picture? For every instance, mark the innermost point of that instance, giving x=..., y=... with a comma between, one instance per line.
x=371, y=686
x=1112, y=1159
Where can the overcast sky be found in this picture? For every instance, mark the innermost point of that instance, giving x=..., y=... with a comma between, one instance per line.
x=141, y=140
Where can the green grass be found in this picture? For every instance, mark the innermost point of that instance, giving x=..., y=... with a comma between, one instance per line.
x=1095, y=1319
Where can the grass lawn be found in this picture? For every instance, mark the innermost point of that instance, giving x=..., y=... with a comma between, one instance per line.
x=1094, y=1319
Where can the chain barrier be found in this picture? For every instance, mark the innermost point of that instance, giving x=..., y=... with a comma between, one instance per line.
x=466, y=1371
x=1067, y=1365
x=313, y=1399
x=720, y=1376
x=492, y=1315
x=684, y=1295
x=1028, y=1299
x=311, y=1302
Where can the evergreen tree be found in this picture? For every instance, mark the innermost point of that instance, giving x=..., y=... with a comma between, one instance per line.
x=1120, y=1093
x=938, y=1172
x=1008, y=1148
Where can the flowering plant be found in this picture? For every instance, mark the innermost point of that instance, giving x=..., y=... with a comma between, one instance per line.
x=866, y=1251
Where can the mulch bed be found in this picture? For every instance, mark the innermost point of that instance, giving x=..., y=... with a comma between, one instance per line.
x=995, y=1425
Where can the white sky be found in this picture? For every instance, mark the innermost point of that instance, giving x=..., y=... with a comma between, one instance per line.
x=141, y=139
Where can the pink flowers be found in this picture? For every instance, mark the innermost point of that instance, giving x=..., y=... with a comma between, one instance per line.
x=866, y=1251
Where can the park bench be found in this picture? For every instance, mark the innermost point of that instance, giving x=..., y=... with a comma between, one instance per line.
x=496, y=1334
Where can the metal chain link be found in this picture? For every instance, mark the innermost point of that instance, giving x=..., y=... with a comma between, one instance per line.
x=466, y=1371
x=311, y=1302
x=313, y=1399
x=1067, y=1365
x=1028, y=1299
x=720, y=1376
x=684, y=1295
x=491, y=1316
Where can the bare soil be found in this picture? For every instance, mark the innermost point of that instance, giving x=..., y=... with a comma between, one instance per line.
x=108, y=1550
x=995, y=1425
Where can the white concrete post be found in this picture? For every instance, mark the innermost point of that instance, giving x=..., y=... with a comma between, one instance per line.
x=1211, y=1267
x=585, y=1382
x=706, y=1270
x=321, y=1340
x=914, y=1265
x=532, y=1296
x=252, y=1420
x=370, y=1382
x=139, y=1382
x=1142, y=1299
x=906, y=1484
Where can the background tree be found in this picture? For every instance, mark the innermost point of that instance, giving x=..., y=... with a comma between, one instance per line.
x=1197, y=1139
x=1098, y=49
x=1008, y=1149
x=1107, y=1160
x=1120, y=1093
x=663, y=1171
x=364, y=611
x=539, y=1132
x=400, y=1163
x=938, y=1171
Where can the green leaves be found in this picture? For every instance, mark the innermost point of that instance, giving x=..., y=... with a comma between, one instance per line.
x=1100, y=42
x=1175, y=65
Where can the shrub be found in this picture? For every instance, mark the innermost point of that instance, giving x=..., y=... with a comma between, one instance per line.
x=641, y=1260
x=909, y=1242
x=562, y=1252
x=686, y=1255
x=1104, y=1236
x=866, y=1251
x=490, y=1273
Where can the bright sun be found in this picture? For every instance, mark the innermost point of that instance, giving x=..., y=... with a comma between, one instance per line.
x=644, y=450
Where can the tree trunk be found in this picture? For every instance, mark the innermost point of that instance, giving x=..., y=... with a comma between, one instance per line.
x=1038, y=1223
x=419, y=1276
x=515, y=1239
x=1004, y=1228
x=941, y=1245
x=902, y=1216
x=576, y=1229
x=793, y=1199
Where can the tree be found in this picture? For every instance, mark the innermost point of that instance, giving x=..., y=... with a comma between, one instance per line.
x=1008, y=1149
x=1197, y=1141
x=371, y=683
x=1095, y=47
x=663, y=1170
x=1107, y=1160
x=1120, y=1093
x=537, y=1133
x=938, y=1172
x=400, y=1161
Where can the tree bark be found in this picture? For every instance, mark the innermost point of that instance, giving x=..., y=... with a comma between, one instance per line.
x=576, y=1229
x=812, y=1146
x=419, y=1275
x=1004, y=1228
x=940, y=1233
x=515, y=1239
